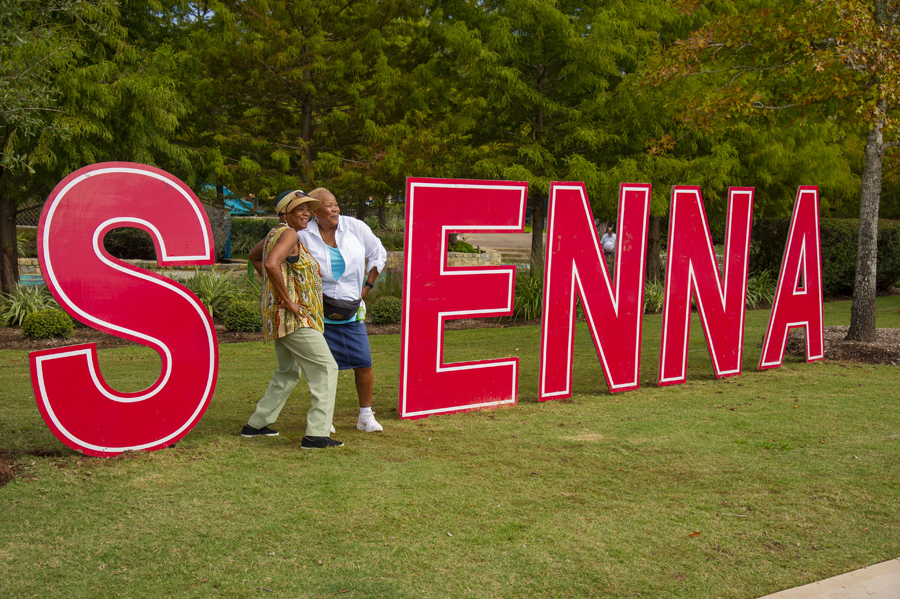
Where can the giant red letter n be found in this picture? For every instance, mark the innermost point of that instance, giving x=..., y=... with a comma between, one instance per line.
x=434, y=293
x=575, y=264
x=691, y=265
x=798, y=297
x=117, y=298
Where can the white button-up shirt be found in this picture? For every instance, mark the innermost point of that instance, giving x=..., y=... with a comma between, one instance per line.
x=357, y=243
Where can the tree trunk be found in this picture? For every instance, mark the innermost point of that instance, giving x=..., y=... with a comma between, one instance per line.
x=862, y=313
x=653, y=243
x=537, y=228
x=9, y=262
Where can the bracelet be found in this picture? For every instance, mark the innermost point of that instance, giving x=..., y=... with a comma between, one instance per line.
x=369, y=285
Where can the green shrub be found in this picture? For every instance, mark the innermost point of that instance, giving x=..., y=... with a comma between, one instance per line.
x=129, y=243
x=243, y=316
x=761, y=289
x=386, y=310
x=839, y=238
x=216, y=292
x=391, y=240
x=251, y=287
x=463, y=247
x=50, y=322
x=23, y=301
x=246, y=232
x=26, y=243
x=529, y=298
x=388, y=284
x=654, y=295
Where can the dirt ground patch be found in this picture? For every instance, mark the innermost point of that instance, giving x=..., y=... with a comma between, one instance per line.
x=12, y=338
x=885, y=350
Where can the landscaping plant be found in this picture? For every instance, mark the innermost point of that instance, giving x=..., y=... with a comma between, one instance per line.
x=214, y=290
x=243, y=316
x=529, y=298
x=23, y=301
x=386, y=310
x=47, y=323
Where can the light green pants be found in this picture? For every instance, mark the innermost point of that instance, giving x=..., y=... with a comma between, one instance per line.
x=303, y=350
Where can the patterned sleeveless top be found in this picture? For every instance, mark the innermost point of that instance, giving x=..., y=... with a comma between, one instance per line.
x=304, y=284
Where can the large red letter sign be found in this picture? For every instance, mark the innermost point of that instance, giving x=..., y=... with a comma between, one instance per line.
x=691, y=265
x=575, y=260
x=114, y=297
x=433, y=293
x=798, y=299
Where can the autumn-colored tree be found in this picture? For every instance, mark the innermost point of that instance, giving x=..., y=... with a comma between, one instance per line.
x=802, y=61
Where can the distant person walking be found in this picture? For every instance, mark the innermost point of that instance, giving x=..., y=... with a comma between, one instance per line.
x=291, y=306
x=608, y=241
x=342, y=245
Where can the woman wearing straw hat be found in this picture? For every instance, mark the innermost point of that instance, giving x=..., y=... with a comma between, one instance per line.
x=291, y=306
x=350, y=257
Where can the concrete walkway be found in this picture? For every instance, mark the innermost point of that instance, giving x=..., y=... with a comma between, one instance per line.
x=881, y=581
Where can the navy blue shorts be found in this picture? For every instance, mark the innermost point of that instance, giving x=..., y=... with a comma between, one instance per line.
x=349, y=344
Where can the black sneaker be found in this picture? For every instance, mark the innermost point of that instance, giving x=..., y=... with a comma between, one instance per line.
x=249, y=431
x=319, y=443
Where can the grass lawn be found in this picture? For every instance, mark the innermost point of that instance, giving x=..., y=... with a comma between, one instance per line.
x=731, y=488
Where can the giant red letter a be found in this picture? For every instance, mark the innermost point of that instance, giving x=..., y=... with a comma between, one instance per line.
x=798, y=298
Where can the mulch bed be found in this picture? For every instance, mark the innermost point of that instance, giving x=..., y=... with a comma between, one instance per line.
x=885, y=350
x=12, y=338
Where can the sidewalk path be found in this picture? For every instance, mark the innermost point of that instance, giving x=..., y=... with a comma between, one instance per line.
x=881, y=581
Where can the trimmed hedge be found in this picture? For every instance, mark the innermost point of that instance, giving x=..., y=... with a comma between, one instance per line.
x=839, y=237
x=246, y=232
x=387, y=310
x=243, y=316
x=47, y=323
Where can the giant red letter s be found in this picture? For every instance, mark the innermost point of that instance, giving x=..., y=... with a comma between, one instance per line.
x=117, y=298
x=433, y=293
x=575, y=264
x=798, y=297
x=691, y=264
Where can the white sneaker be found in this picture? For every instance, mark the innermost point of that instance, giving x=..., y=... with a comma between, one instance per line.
x=368, y=423
x=332, y=429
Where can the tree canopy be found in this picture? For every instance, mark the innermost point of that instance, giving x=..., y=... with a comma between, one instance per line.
x=261, y=95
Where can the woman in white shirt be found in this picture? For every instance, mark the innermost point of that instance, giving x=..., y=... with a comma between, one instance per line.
x=342, y=245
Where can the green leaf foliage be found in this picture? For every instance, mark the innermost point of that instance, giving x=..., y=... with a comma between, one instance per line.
x=839, y=243
x=15, y=306
x=47, y=323
x=386, y=310
x=243, y=316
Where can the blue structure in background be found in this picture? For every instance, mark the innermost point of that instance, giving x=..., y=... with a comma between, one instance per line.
x=237, y=206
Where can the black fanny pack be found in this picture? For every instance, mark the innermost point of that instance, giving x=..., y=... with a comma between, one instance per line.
x=336, y=309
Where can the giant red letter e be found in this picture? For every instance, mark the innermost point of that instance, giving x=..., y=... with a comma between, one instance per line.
x=117, y=298
x=434, y=293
